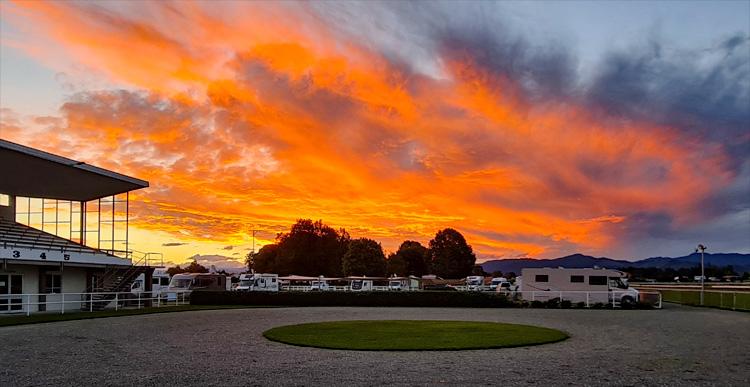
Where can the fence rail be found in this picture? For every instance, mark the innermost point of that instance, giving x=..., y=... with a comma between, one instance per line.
x=716, y=299
x=90, y=301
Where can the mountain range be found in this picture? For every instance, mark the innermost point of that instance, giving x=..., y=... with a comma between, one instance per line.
x=740, y=262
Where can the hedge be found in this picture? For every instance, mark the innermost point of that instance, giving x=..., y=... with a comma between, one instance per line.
x=404, y=299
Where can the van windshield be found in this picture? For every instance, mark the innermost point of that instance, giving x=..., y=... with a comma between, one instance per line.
x=618, y=283
x=182, y=283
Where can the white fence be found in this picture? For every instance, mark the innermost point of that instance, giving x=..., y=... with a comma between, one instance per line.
x=28, y=303
x=587, y=299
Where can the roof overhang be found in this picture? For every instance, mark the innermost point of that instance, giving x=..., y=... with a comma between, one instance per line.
x=33, y=173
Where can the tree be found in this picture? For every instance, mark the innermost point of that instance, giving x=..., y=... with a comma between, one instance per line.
x=410, y=259
x=311, y=248
x=449, y=255
x=193, y=267
x=497, y=274
x=364, y=257
x=175, y=270
x=264, y=261
x=478, y=270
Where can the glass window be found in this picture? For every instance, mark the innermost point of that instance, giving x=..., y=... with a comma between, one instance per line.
x=154, y=281
x=576, y=278
x=4, y=200
x=4, y=285
x=597, y=280
x=52, y=283
x=164, y=281
x=542, y=278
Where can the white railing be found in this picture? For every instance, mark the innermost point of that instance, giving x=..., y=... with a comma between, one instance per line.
x=28, y=303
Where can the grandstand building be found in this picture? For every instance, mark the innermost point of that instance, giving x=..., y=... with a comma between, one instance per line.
x=63, y=233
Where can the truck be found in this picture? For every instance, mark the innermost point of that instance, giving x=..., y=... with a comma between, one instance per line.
x=588, y=285
x=475, y=283
x=183, y=284
x=258, y=282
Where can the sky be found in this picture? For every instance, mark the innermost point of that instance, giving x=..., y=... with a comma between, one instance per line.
x=537, y=129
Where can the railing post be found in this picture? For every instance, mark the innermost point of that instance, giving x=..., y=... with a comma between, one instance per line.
x=560, y=300
x=587, y=299
x=62, y=303
x=139, y=300
x=734, y=300
x=28, y=305
x=117, y=300
x=91, y=302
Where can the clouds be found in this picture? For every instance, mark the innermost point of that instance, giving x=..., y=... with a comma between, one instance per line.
x=398, y=124
x=174, y=244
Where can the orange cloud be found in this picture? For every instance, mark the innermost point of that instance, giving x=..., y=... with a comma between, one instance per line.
x=239, y=122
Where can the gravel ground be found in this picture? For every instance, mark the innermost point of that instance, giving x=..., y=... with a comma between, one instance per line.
x=674, y=346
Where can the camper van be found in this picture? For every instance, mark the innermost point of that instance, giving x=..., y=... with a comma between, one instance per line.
x=187, y=282
x=255, y=282
x=475, y=283
x=159, y=283
x=497, y=282
x=360, y=285
x=319, y=285
x=591, y=285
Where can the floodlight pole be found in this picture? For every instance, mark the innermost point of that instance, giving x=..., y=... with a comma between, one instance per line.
x=702, y=249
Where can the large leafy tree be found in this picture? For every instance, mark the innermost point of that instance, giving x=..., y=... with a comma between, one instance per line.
x=364, y=257
x=410, y=259
x=310, y=248
x=264, y=261
x=193, y=267
x=449, y=255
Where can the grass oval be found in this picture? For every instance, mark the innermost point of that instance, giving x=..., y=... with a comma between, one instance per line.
x=412, y=335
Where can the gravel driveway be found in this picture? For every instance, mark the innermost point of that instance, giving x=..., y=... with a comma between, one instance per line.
x=674, y=346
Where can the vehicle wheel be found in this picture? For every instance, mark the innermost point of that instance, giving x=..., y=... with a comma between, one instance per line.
x=627, y=302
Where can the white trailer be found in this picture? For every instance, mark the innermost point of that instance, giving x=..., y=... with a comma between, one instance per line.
x=590, y=285
x=258, y=282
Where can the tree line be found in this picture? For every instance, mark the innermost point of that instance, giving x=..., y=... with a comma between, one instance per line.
x=314, y=248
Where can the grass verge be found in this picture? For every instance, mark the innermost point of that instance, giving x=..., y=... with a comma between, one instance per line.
x=723, y=300
x=412, y=335
x=53, y=317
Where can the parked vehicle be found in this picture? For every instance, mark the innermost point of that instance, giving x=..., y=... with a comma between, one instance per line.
x=360, y=285
x=258, y=282
x=187, y=282
x=475, y=283
x=496, y=282
x=159, y=282
x=394, y=285
x=320, y=285
x=578, y=285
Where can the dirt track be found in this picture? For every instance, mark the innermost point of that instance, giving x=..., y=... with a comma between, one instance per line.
x=675, y=346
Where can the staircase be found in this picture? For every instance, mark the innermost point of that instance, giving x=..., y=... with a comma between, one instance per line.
x=116, y=280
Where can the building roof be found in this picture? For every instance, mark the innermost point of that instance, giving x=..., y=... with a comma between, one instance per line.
x=33, y=173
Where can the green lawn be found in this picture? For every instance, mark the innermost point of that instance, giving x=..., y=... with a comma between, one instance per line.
x=723, y=300
x=52, y=317
x=412, y=335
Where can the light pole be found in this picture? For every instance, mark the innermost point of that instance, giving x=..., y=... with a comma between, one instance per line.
x=702, y=249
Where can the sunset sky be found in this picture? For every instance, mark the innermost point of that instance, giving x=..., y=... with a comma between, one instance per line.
x=536, y=129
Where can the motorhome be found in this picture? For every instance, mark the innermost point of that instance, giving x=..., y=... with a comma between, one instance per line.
x=319, y=285
x=591, y=285
x=360, y=285
x=183, y=284
x=497, y=281
x=159, y=283
x=475, y=283
x=257, y=282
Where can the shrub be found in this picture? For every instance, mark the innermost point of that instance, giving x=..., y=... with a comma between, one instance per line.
x=402, y=299
x=537, y=304
x=580, y=305
x=598, y=305
x=566, y=304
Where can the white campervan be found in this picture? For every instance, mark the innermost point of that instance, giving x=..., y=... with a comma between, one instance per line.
x=360, y=285
x=183, y=284
x=256, y=282
x=475, y=283
x=498, y=281
x=159, y=283
x=591, y=285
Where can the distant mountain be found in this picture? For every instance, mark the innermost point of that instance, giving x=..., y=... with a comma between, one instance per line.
x=741, y=262
x=221, y=262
